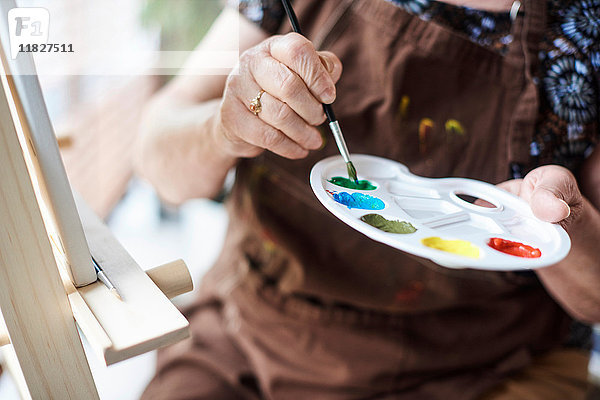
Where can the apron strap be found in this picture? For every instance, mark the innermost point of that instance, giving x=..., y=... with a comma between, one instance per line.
x=328, y=32
x=525, y=115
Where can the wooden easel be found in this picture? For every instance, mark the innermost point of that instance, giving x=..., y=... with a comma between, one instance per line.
x=47, y=281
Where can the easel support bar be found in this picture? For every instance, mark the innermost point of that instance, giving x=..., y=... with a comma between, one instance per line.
x=171, y=278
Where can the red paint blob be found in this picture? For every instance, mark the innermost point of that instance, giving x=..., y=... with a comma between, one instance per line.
x=514, y=248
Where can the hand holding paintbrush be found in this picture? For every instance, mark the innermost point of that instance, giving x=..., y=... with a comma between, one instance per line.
x=334, y=125
x=272, y=101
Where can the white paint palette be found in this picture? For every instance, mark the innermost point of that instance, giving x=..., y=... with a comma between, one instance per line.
x=442, y=208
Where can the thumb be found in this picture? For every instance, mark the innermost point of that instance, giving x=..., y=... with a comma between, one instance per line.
x=548, y=206
x=553, y=194
x=513, y=186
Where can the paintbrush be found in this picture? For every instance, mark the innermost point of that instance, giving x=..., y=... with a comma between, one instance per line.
x=334, y=125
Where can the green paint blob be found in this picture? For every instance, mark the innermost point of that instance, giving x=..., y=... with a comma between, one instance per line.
x=350, y=184
x=386, y=225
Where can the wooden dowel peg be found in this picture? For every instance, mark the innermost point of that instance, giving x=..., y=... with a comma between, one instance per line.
x=64, y=139
x=142, y=320
x=172, y=278
x=4, y=339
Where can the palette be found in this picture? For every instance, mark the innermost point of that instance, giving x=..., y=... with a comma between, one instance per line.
x=442, y=213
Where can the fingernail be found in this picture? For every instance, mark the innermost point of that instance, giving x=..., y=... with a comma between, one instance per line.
x=328, y=95
x=568, y=207
x=316, y=143
x=327, y=64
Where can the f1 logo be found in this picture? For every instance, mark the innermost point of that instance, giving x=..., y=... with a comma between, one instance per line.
x=27, y=26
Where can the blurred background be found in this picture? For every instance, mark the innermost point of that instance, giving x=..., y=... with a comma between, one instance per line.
x=96, y=119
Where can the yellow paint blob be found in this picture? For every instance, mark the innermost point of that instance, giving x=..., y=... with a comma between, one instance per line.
x=453, y=126
x=460, y=247
x=404, y=103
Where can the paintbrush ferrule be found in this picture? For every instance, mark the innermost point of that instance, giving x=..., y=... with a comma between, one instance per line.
x=341, y=144
x=339, y=140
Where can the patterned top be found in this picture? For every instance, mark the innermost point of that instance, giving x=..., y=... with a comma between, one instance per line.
x=569, y=77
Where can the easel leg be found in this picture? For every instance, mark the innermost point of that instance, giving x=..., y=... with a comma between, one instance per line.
x=32, y=297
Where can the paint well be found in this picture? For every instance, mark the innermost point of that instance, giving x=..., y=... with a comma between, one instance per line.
x=358, y=200
x=460, y=247
x=386, y=225
x=362, y=184
x=514, y=248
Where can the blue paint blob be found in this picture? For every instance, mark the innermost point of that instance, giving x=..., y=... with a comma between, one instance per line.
x=359, y=200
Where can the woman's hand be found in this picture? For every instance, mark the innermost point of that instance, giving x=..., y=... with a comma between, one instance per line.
x=552, y=192
x=296, y=79
x=197, y=127
x=554, y=196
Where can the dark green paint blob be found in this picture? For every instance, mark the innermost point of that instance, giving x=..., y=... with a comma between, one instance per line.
x=386, y=225
x=363, y=184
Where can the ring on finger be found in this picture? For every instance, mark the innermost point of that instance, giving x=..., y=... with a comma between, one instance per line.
x=255, y=104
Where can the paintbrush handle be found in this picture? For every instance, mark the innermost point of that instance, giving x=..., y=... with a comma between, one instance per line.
x=292, y=16
x=296, y=27
x=329, y=112
x=334, y=125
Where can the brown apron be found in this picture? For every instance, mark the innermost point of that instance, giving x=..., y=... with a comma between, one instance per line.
x=398, y=70
x=426, y=96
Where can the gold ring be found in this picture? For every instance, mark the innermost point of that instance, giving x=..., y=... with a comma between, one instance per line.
x=255, y=105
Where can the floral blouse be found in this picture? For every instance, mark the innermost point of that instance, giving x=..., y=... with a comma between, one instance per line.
x=569, y=77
